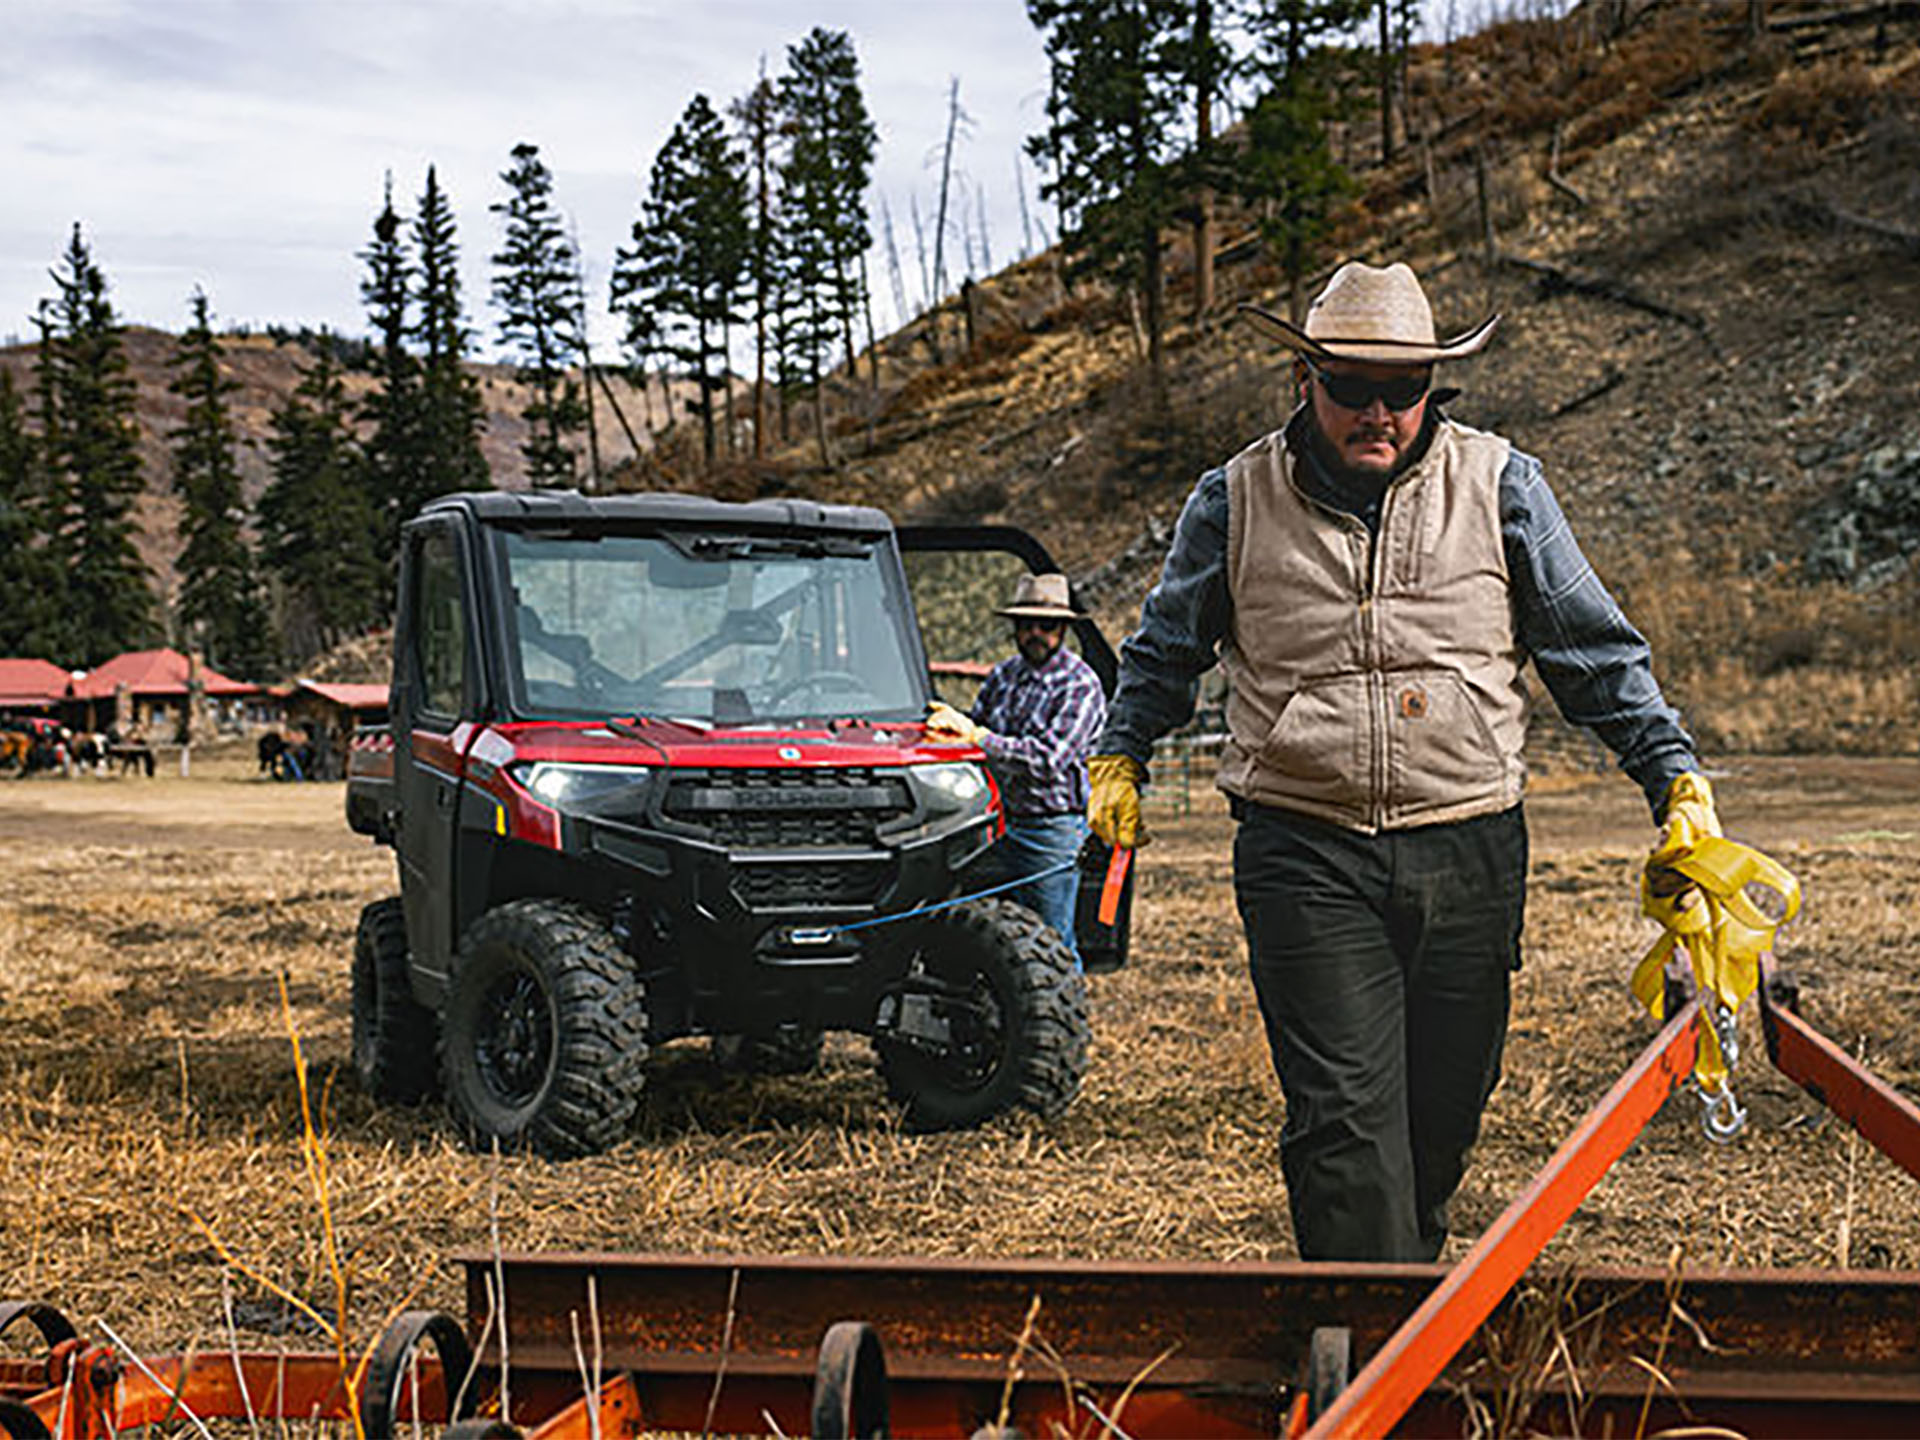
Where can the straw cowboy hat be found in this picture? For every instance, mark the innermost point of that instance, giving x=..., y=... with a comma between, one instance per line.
x=1041, y=597
x=1370, y=315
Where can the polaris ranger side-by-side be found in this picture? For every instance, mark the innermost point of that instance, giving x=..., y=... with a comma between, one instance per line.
x=656, y=767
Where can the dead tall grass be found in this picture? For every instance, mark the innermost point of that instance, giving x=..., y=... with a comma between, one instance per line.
x=1764, y=664
x=145, y=1078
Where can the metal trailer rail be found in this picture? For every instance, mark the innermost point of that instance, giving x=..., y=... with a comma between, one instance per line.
x=862, y=1346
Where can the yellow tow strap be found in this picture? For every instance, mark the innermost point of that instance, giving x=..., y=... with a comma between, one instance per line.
x=1718, y=925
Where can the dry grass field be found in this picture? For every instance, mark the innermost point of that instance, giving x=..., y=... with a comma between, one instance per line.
x=149, y=1098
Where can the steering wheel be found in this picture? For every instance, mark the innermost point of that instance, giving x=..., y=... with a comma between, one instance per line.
x=819, y=680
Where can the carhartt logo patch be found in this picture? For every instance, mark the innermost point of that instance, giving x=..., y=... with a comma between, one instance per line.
x=1413, y=703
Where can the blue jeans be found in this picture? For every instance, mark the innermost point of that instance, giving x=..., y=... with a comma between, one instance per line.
x=1040, y=842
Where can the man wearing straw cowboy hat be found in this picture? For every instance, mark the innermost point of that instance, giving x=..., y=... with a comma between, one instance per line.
x=1035, y=718
x=1372, y=576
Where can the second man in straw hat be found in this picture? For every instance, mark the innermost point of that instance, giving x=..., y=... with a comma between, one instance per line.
x=1372, y=576
x=1036, y=718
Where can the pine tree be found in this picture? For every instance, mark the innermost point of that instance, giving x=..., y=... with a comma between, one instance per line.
x=828, y=168
x=317, y=526
x=758, y=114
x=93, y=460
x=1120, y=73
x=451, y=414
x=823, y=184
x=47, y=492
x=28, y=618
x=221, y=604
x=1288, y=171
x=536, y=289
x=825, y=107
x=394, y=451
x=690, y=249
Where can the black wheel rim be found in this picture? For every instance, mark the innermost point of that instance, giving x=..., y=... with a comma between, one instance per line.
x=513, y=1043
x=978, y=1026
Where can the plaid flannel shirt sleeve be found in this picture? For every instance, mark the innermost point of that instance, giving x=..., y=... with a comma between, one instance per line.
x=1595, y=664
x=1182, y=623
x=1052, y=742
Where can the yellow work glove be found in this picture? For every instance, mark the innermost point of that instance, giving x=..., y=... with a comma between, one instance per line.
x=1113, y=801
x=1700, y=888
x=1690, y=818
x=947, y=726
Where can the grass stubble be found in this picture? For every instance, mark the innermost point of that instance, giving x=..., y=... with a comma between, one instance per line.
x=184, y=1157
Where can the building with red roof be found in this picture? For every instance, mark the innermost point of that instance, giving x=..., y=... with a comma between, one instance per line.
x=155, y=686
x=32, y=684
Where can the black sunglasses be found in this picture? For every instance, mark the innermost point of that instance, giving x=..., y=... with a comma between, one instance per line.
x=1357, y=392
x=1030, y=622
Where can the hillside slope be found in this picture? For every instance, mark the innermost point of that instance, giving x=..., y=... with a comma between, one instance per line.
x=1703, y=251
x=1707, y=321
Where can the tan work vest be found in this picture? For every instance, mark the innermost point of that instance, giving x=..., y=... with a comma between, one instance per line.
x=1373, y=682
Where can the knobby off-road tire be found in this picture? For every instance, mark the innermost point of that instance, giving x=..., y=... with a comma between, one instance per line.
x=394, y=1035
x=791, y=1052
x=1021, y=1030
x=544, y=1037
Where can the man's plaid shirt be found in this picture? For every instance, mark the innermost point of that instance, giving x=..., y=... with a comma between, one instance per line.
x=1042, y=725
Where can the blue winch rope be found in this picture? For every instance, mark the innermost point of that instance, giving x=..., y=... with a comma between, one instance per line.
x=956, y=900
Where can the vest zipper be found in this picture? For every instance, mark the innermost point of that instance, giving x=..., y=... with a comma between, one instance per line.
x=1376, y=681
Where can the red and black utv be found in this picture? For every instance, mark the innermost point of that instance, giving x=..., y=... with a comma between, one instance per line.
x=656, y=768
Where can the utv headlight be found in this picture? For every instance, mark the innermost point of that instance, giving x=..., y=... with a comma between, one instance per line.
x=954, y=787
x=578, y=787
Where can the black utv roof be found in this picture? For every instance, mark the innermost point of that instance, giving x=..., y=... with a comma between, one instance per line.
x=569, y=509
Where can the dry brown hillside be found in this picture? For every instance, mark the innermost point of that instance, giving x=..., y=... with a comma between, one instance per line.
x=1704, y=253
x=1704, y=250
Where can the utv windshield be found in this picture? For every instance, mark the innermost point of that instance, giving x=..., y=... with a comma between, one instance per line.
x=720, y=630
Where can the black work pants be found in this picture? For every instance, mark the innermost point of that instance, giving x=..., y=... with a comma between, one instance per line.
x=1382, y=965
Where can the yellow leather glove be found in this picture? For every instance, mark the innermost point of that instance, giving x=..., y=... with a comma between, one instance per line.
x=948, y=726
x=1113, y=800
x=1690, y=816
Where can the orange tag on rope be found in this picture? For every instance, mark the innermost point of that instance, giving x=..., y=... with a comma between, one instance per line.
x=1116, y=882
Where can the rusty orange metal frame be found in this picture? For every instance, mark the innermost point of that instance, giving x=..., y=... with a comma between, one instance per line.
x=1402, y=1369
x=1882, y=1115
x=1139, y=1348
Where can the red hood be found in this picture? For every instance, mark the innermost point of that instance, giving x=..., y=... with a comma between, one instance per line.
x=673, y=743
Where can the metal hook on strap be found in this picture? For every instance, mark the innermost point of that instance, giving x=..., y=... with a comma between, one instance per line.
x=1722, y=1117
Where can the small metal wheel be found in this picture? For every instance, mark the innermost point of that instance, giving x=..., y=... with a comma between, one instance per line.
x=850, y=1384
x=381, y=1412
x=52, y=1325
x=1329, y=1367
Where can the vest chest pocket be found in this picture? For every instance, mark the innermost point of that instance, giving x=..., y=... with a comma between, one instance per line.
x=1318, y=749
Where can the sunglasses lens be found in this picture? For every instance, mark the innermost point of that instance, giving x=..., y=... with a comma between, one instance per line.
x=1357, y=392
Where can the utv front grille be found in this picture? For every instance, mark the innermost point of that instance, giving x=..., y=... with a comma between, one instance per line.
x=810, y=883
x=769, y=809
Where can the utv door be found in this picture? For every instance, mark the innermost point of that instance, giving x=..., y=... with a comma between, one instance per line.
x=436, y=685
x=960, y=574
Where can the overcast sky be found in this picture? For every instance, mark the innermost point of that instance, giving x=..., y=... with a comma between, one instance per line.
x=241, y=145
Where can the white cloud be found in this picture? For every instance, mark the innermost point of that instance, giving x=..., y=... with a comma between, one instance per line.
x=241, y=145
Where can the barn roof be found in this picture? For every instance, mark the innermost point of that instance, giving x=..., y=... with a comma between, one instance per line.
x=153, y=672
x=32, y=682
x=353, y=697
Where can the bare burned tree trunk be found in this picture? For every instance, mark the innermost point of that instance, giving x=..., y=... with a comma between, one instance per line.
x=1203, y=141
x=893, y=266
x=1026, y=219
x=873, y=345
x=620, y=415
x=940, y=213
x=1386, y=82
